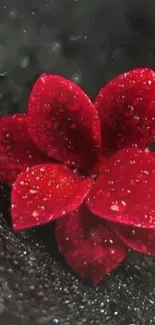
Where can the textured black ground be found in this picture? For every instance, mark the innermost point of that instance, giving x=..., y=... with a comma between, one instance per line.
x=88, y=41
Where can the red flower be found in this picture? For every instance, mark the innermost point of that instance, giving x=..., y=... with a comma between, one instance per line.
x=54, y=154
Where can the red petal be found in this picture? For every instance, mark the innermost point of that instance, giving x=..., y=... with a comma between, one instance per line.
x=101, y=165
x=139, y=239
x=126, y=107
x=125, y=190
x=88, y=246
x=152, y=153
x=63, y=122
x=17, y=151
x=45, y=192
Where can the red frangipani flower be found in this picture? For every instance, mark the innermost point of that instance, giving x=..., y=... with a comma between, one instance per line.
x=85, y=166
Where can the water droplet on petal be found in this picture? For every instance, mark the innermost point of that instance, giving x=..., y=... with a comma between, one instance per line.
x=143, y=175
x=118, y=206
x=74, y=104
x=124, y=192
x=36, y=213
x=128, y=111
x=136, y=120
x=63, y=97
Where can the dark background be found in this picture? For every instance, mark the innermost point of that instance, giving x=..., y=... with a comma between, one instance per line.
x=89, y=41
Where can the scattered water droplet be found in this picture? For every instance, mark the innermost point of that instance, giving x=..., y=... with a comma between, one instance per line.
x=74, y=105
x=132, y=161
x=128, y=111
x=62, y=98
x=143, y=176
x=124, y=192
x=118, y=206
x=36, y=213
x=136, y=120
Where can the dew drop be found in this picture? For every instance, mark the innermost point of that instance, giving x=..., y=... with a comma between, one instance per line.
x=62, y=97
x=118, y=206
x=132, y=161
x=36, y=213
x=47, y=107
x=128, y=111
x=143, y=175
x=31, y=191
x=124, y=193
x=136, y=120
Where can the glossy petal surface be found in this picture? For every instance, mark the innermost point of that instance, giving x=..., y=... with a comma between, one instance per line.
x=139, y=239
x=125, y=190
x=45, y=192
x=17, y=151
x=152, y=153
x=63, y=121
x=126, y=107
x=88, y=246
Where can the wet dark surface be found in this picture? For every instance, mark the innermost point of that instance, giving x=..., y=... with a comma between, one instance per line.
x=89, y=42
